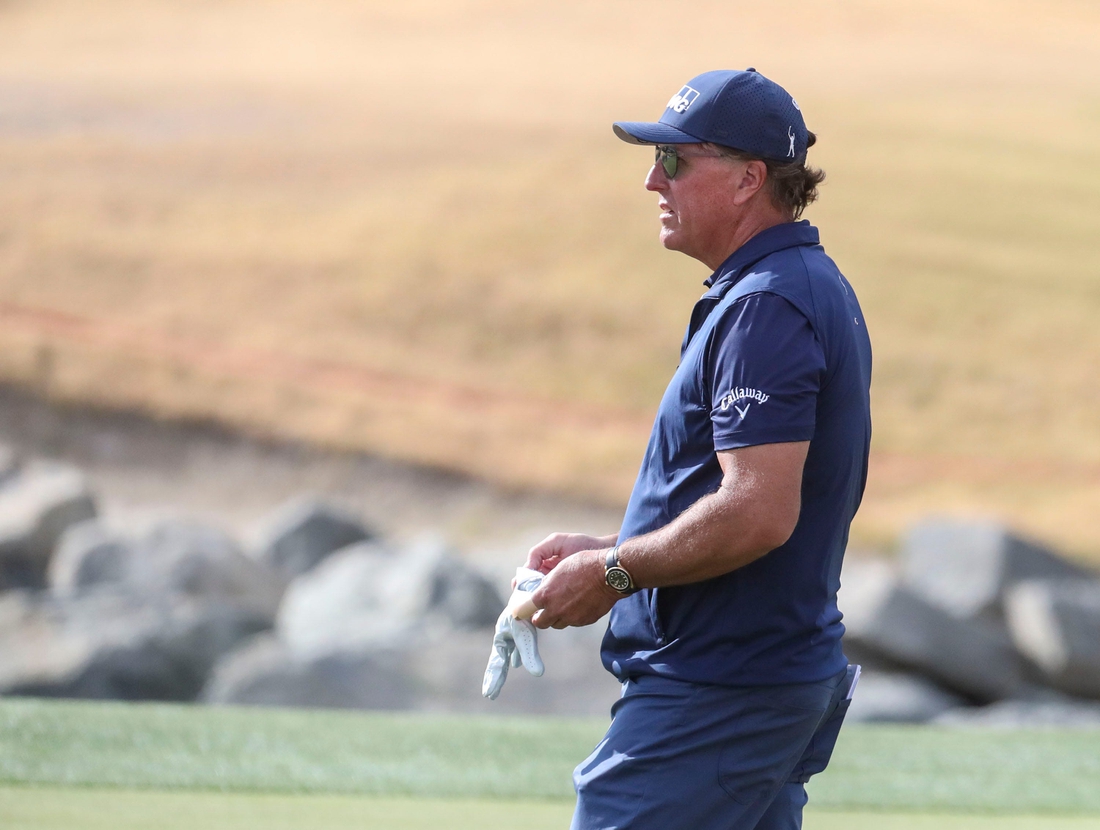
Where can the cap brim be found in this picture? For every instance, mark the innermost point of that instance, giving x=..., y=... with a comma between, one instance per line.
x=641, y=132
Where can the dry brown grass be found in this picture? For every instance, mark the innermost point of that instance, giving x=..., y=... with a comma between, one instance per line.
x=409, y=228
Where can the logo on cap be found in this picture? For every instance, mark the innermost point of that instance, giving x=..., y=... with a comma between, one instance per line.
x=790, y=135
x=683, y=99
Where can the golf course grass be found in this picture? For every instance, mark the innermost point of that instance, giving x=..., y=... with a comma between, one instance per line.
x=90, y=765
x=59, y=808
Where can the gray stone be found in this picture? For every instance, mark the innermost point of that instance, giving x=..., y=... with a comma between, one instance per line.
x=356, y=599
x=36, y=507
x=196, y=560
x=965, y=567
x=109, y=645
x=1025, y=714
x=89, y=554
x=366, y=595
x=971, y=658
x=459, y=592
x=883, y=697
x=266, y=673
x=1056, y=625
x=9, y=463
x=303, y=532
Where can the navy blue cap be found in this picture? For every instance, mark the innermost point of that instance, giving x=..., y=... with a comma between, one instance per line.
x=742, y=110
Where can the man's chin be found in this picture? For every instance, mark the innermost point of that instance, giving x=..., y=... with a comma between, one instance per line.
x=670, y=239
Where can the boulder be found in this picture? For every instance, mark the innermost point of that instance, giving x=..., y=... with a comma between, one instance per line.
x=301, y=533
x=89, y=554
x=887, y=697
x=1056, y=625
x=356, y=599
x=36, y=506
x=265, y=672
x=9, y=463
x=199, y=561
x=109, y=645
x=459, y=593
x=366, y=596
x=881, y=616
x=966, y=567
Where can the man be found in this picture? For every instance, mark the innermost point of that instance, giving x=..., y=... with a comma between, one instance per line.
x=722, y=581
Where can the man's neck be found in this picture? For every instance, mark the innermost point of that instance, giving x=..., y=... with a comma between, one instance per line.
x=741, y=232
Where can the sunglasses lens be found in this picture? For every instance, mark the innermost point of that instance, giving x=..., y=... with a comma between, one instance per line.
x=667, y=158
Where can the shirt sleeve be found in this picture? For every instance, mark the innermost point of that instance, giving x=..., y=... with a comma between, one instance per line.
x=764, y=371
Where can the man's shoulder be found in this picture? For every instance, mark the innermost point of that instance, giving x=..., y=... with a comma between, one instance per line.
x=803, y=276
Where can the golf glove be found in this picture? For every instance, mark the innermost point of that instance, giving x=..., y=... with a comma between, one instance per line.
x=515, y=641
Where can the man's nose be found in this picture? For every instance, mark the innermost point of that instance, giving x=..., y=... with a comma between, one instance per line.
x=657, y=179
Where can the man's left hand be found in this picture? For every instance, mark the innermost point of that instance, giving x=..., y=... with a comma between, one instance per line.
x=574, y=592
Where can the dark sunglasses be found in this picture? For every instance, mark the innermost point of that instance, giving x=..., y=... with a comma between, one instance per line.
x=669, y=158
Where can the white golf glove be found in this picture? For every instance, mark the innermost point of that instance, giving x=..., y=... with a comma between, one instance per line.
x=515, y=641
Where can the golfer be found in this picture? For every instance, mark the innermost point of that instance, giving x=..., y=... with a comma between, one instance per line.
x=722, y=581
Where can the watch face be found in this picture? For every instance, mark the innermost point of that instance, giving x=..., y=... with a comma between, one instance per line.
x=618, y=579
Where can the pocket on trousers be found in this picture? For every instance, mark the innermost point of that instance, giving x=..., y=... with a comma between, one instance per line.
x=769, y=743
x=820, y=750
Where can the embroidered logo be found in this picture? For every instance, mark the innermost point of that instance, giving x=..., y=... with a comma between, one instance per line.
x=790, y=135
x=796, y=105
x=739, y=394
x=683, y=99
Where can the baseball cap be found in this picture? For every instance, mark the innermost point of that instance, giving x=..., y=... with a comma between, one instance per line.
x=742, y=110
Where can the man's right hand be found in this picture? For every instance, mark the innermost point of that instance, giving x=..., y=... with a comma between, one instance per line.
x=547, y=554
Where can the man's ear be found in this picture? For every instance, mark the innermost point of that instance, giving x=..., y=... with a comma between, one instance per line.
x=751, y=181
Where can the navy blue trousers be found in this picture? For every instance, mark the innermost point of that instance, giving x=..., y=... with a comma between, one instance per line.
x=692, y=756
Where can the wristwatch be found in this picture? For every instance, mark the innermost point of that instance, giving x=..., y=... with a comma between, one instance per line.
x=616, y=576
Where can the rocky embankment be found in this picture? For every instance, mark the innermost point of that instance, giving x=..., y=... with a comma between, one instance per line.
x=974, y=625
x=319, y=611
x=970, y=625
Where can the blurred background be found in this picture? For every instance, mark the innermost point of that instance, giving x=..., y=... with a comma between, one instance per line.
x=390, y=257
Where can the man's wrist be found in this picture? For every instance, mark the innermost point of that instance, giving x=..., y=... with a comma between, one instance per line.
x=617, y=577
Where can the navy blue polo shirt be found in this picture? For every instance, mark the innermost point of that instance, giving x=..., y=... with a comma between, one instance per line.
x=776, y=351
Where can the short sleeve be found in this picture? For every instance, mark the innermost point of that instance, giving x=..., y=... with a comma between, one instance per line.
x=764, y=367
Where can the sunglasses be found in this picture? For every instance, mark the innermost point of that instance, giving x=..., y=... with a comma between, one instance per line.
x=669, y=158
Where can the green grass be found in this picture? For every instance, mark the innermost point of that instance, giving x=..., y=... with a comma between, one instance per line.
x=166, y=746
x=170, y=747
x=54, y=808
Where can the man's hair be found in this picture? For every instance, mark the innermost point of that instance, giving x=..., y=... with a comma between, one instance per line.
x=793, y=184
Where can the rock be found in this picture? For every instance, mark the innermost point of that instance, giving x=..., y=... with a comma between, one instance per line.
x=196, y=560
x=882, y=697
x=266, y=673
x=965, y=567
x=366, y=596
x=301, y=533
x=109, y=645
x=460, y=593
x=36, y=507
x=356, y=599
x=1056, y=624
x=881, y=616
x=1025, y=714
x=88, y=554
x=9, y=463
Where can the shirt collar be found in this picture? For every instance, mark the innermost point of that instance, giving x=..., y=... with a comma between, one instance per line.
x=775, y=238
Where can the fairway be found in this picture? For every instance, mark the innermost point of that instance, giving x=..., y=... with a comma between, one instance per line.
x=67, y=764
x=53, y=808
